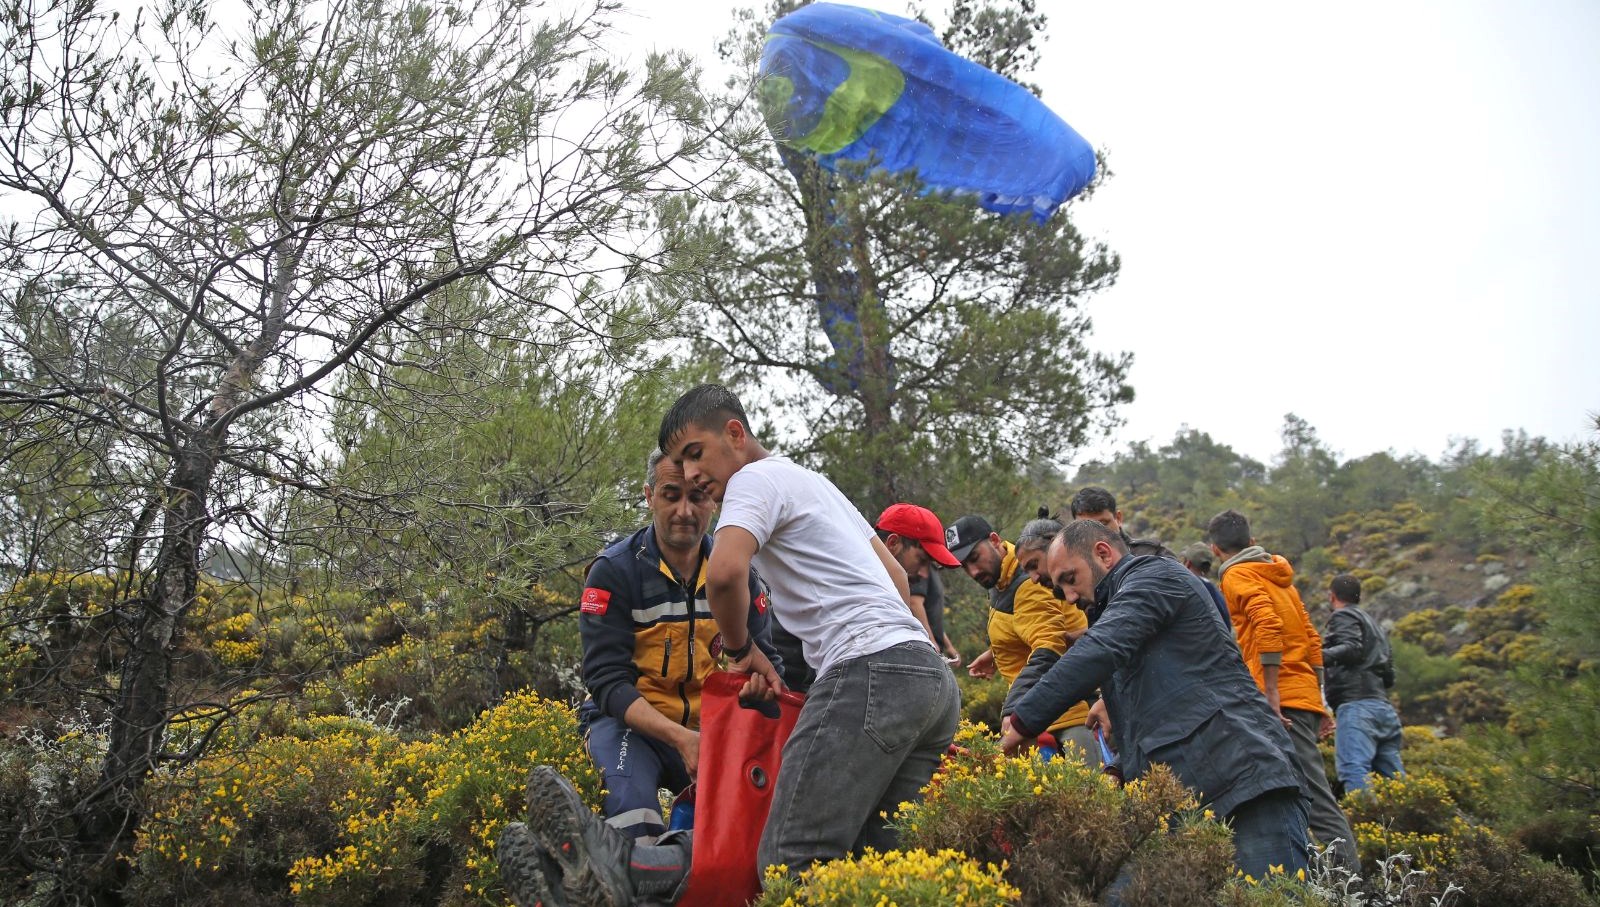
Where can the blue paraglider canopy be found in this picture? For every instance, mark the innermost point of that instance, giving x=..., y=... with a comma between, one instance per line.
x=844, y=84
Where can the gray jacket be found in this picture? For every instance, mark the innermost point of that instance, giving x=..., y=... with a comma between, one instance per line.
x=1175, y=686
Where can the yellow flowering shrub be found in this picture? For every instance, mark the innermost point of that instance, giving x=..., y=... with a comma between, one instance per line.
x=61, y=594
x=51, y=617
x=1476, y=781
x=235, y=641
x=1061, y=826
x=344, y=813
x=1278, y=889
x=914, y=878
x=231, y=828
x=17, y=662
x=432, y=683
x=1418, y=802
x=1415, y=815
x=1420, y=816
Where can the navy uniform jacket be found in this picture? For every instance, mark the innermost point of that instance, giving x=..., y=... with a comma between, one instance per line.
x=649, y=632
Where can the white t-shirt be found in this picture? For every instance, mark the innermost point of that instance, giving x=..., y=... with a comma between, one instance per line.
x=828, y=586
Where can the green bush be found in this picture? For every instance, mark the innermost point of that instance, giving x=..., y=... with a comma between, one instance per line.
x=44, y=771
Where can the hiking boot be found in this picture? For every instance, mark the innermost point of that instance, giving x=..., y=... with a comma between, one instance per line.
x=592, y=855
x=531, y=877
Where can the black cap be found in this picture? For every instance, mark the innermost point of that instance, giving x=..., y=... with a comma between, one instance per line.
x=964, y=533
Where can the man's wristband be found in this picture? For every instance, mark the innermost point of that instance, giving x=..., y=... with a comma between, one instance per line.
x=735, y=654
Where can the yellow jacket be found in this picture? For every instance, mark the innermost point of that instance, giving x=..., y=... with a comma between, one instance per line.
x=1036, y=619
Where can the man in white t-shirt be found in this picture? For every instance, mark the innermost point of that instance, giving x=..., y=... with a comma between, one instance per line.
x=877, y=720
x=884, y=707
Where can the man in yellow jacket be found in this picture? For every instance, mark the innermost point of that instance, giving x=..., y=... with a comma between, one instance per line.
x=1029, y=628
x=1284, y=654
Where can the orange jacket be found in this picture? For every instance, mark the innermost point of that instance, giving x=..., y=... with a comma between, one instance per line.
x=1273, y=626
x=1038, y=620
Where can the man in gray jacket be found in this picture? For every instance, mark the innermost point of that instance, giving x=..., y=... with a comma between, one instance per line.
x=1176, y=691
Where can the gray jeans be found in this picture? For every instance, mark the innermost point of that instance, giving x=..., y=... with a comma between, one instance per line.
x=870, y=735
x=1328, y=820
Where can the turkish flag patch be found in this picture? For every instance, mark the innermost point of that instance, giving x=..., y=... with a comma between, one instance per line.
x=762, y=603
x=596, y=601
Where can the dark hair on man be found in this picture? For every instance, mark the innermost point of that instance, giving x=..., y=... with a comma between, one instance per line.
x=1346, y=588
x=707, y=406
x=656, y=456
x=1092, y=499
x=1230, y=531
x=1079, y=537
x=1036, y=534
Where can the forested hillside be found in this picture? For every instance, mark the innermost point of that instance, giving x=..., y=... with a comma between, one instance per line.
x=333, y=342
x=361, y=741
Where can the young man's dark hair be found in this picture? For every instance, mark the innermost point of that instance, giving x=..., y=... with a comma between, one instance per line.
x=1080, y=536
x=1346, y=588
x=1092, y=499
x=1230, y=531
x=708, y=406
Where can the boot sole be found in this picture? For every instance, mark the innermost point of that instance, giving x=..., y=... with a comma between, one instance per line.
x=522, y=871
x=557, y=817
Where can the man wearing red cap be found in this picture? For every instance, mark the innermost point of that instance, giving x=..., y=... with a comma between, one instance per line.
x=915, y=537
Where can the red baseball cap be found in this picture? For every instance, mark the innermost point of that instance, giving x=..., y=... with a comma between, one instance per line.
x=919, y=524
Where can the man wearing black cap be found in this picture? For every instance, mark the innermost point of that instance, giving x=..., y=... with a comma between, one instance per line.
x=1029, y=628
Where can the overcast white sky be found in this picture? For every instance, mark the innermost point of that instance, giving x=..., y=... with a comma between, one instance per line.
x=1381, y=216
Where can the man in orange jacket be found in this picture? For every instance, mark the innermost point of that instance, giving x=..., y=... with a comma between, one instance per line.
x=1284, y=654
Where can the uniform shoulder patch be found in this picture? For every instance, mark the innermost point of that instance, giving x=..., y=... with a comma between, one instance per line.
x=762, y=603
x=596, y=600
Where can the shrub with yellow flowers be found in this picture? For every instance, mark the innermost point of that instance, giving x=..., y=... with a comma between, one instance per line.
x=228, y=831
x=1416, y=802
x=1417, y=816
x=235, y=641
x=341, y=812
x=1476, y=782
x=1064, y=830
x=914, y=878
x=54, y=617
x=1413, y=814
x=1279, y=889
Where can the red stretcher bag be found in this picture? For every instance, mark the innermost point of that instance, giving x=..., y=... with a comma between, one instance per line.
x=740, y=752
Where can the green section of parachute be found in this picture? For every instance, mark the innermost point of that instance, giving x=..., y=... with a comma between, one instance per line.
x=873, y=87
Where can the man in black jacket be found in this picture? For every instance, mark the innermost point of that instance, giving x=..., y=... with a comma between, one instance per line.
x=1360, y=669
x=1176, y=689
